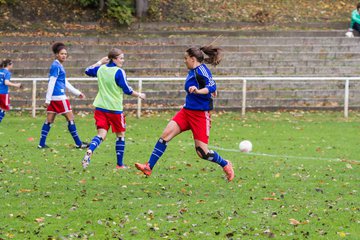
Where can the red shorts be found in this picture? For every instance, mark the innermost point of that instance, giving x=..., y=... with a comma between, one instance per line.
x=106, y=119
x=198, y=121
x=4, y=102
x=59, y=106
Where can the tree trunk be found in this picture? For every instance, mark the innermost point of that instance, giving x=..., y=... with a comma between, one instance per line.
x=101, y=5
x=141, y=7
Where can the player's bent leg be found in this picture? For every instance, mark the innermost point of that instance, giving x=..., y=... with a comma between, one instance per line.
x=95, y=142
x=158, y=151
x=86, y=159
x=213, y=156
x=171, y=130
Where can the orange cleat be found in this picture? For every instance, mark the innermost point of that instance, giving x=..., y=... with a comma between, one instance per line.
x=145, y=168
x=228, y=169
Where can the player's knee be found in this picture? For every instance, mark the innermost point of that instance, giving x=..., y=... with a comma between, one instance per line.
x=201, y=153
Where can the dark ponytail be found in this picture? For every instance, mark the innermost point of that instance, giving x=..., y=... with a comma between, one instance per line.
x=5, y=63
x=214, y=54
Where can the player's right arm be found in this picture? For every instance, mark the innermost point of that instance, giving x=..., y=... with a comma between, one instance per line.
x=53, y=75
x=8, y=83
x=92, y=70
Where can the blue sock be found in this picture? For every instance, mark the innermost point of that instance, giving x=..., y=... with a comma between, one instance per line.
x=158, y=151
x=44, y=132
x=74, y=134
x=2, y=115
x=95, y=142
x=120, y=148
x=216, y=158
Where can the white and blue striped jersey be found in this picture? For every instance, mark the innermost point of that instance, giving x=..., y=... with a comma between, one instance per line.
x=4, y=75
x=199, y=77
x=58, y=83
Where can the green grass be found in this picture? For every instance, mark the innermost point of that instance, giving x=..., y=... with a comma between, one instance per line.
x=310, y=174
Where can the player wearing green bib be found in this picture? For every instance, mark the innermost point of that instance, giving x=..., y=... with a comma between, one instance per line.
x=108, y=103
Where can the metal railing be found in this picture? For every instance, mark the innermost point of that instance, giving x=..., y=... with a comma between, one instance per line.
x=244, y=80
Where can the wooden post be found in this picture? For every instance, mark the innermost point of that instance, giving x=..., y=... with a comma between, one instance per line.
x=346, y=99
x=33, y=108
x=243, y=106
x=138, y=114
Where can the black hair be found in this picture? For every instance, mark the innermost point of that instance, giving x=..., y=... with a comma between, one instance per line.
x=57, y=47
x=358, y=6
x=214, y=54
x=5, y=63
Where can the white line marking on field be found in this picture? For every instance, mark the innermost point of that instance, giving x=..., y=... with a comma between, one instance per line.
x=282, y=156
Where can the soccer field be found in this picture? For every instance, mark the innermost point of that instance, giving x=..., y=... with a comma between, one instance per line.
x=301, y=180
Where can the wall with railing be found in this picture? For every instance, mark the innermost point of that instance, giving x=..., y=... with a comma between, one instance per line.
x=234, y=93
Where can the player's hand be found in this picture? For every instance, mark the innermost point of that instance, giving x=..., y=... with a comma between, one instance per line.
x=214, y=94
x=193, y=89
x=104, y=60
x=142, y=96
x=19, y=85
x=82, y=96
x=46, y=105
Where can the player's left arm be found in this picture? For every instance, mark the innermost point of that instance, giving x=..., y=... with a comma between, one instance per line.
x=120, y=78
x=73, y=90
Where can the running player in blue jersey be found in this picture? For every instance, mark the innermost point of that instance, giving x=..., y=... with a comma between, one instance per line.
x=5, y=75
x=195, y=115
x=56, y=100
x=109, y=103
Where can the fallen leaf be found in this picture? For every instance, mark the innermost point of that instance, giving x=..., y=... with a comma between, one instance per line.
x=39, y=220
x=269, y=199
x=294, y=222
x=24, y=190
x=82, y=181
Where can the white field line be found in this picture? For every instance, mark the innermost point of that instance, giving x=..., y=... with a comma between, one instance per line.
x=284, y=156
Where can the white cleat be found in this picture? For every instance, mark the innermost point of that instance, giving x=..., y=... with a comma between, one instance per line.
x=349, y=34
x=86, y=160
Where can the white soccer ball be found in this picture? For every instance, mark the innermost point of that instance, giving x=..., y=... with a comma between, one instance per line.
x=245, y=146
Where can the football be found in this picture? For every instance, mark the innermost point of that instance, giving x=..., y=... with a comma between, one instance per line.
x=245, y=146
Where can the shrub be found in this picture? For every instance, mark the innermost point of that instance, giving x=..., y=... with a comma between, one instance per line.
x=121, y=10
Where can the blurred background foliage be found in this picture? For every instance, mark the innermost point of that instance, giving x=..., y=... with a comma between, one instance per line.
x=123, y=12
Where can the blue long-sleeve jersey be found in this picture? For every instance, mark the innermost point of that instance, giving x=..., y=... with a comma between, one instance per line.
x=4, y=75
x=120, y=77
x=200, y=77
